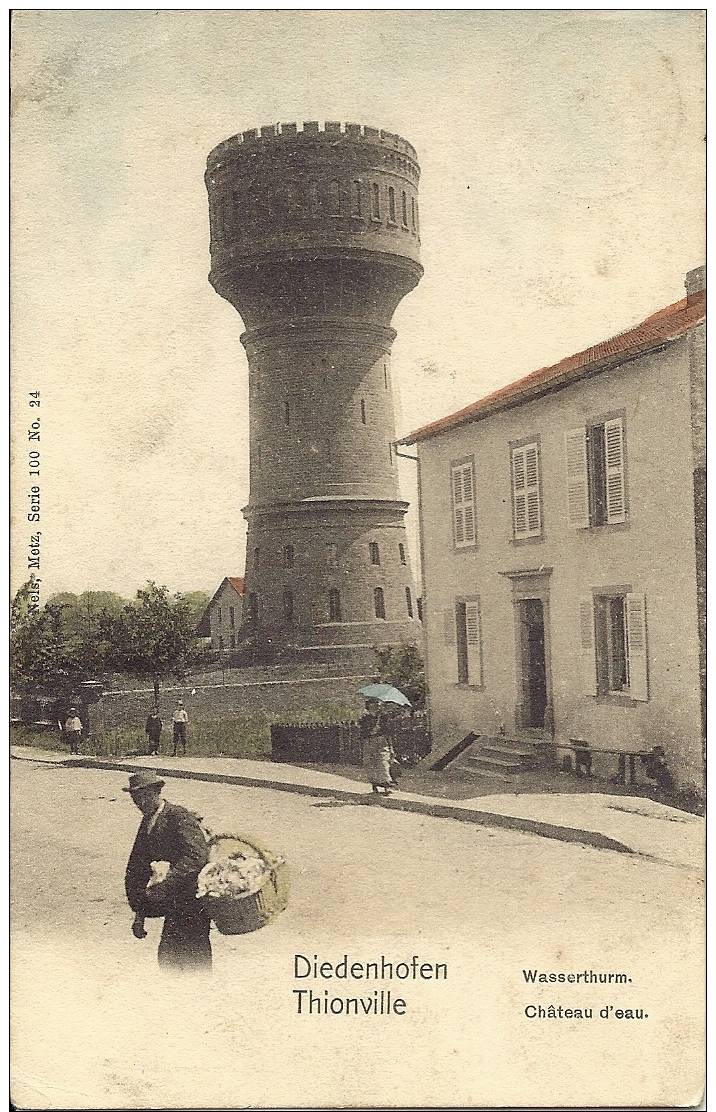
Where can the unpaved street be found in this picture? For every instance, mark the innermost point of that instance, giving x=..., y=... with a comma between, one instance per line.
x=95, y=1026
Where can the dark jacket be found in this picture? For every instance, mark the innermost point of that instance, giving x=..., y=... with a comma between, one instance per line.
x=153, y=728
x=176, y=837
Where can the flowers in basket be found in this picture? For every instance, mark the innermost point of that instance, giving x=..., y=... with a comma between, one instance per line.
x=160, y=870
x=236, y=877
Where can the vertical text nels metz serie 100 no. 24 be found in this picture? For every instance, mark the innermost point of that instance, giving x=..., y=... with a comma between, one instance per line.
x=33, y=495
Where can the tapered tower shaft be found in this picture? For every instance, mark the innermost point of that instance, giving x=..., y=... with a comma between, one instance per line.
x=314, y=241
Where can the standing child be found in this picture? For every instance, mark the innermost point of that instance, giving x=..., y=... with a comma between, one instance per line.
x=73, y=729
x=179, y=721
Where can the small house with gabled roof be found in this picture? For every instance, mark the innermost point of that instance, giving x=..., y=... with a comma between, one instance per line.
x=221, y=620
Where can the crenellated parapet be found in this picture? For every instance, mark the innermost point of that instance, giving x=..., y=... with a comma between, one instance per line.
x=395, y=151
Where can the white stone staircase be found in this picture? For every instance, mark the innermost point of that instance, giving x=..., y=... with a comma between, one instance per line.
x=499, y=758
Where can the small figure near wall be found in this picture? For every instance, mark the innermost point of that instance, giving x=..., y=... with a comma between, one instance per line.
x=657, y=769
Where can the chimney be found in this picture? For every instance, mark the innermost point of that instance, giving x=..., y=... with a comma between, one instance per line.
x=695, y=283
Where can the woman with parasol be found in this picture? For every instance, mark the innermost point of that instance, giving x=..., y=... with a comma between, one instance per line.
x=375, y=730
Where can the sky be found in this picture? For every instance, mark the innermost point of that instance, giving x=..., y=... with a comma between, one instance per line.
x=561, y=201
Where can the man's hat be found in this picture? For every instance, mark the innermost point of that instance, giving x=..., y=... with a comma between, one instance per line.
x=140, y=780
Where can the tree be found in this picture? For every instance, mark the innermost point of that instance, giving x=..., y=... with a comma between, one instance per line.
x=154, y=636
x=403, y=668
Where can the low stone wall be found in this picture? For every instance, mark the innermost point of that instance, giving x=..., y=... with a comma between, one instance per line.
x=280, y=696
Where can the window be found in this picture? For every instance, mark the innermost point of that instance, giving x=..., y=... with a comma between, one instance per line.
x=219, y=614
x=233, y=640
x=463, y=504
x=221, y=642
x=257, y=553
x=252, y=608
x=404, y=213
x=385, y=375
x=409, y=601
x=379, y=602
x=232, y=617
x=376, y=202
x=390, y=452
x=332, y=555
x=288, y=555
x=401, y=553
x=412, y=212
x=463, y=629
x=612, y=632
x=596, y=489
x=356, y=199
x=335, y=198
x=374, y=553
x=288, y=604
x=420, y=609
x=313, y=198
x=391, y=205
x=362, y=411
x=334, y=604
x=526, y=507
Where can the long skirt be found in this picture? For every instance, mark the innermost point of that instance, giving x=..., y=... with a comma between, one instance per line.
x=377, y=765
x=184, y=946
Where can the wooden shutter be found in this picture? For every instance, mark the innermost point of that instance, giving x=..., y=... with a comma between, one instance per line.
x=636, y=646
x=614, y=469
x=587, y=646
x=463, y=504
x=526, y=492
x=575, y=444
x=474, y=642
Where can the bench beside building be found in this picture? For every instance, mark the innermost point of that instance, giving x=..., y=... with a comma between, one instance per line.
x=562, y=538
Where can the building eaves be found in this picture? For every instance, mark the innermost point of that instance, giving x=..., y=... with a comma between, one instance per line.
x=662, y=327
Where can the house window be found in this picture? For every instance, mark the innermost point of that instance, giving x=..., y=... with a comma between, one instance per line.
x=233, y=640
x=335, y=198
x=401, y=553
x=356, y=198
x=420, y=608
x=526, y=502
x=468, y=640
x=374, y=553
x=379, y=602
x=252, y=608
x=596, y=475
x=288, y=555
x=463, y=503
x=404, y=210
x=288, y=604
x=412, y=211
x=409, y=601
x=334, y=604
x=376, y=202
x=612, y=632
x=219, y=614
x=391, y=205
x=232, y=617
x=362, y=411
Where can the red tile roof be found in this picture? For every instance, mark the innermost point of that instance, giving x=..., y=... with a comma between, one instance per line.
x=236, y=583
x=667, y=324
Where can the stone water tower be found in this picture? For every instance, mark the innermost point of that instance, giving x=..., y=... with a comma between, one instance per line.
x=314, y=241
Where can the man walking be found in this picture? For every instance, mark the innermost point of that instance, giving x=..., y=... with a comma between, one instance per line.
x=179, y=721
x=170, y=833
x=153, y=730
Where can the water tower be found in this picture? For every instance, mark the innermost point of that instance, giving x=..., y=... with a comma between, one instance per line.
x=315, y=239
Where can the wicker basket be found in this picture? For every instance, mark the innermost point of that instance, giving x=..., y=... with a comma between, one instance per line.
x=242, y=915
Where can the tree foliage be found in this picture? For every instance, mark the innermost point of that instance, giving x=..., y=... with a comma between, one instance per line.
x=403, y=668
x=154, y=636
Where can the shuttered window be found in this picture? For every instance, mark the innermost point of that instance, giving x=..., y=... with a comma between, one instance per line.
x=596, y=478
x=469, y=642
x=526, y=495
x=463, y=504
x=613, y=647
